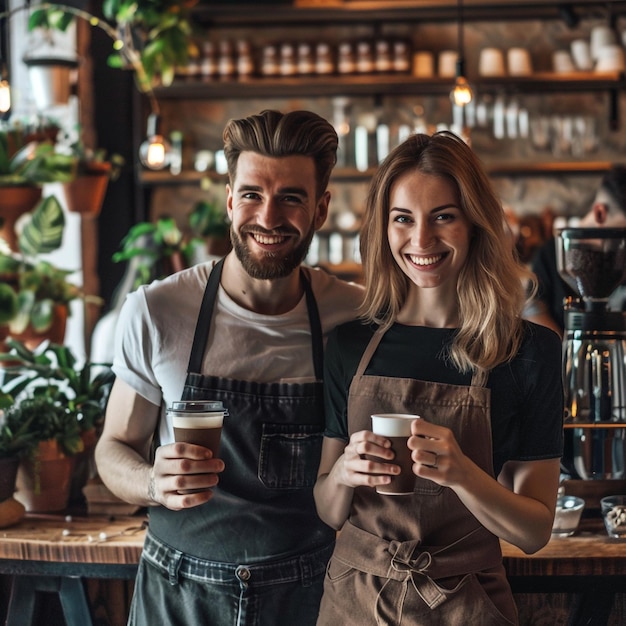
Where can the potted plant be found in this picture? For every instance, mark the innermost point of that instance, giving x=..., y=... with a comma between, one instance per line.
x=16, y=441
x=24, y=168
x=94, y=169
x=209, y=221
x=59, y=405
x=35, y=294
x=158, y=249
x=153, y=37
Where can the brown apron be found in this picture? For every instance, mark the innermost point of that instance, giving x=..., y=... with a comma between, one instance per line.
x=422, y=558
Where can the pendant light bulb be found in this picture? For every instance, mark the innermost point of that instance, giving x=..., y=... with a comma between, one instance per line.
x=154, y=152
x=5, y=96
x=462, y=93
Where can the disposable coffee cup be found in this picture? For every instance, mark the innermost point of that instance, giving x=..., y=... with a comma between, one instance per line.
x=397, y=428
x=198, y=422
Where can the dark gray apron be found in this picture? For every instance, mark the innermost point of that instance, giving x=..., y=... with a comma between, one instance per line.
x=263, y=506
x=414, y=559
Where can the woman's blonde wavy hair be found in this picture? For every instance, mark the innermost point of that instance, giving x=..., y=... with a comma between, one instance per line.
x=492, y=287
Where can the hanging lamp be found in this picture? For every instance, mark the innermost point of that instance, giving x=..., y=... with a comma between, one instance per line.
x=461, y=94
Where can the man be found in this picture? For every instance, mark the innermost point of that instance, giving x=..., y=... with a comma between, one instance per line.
x=608, y=210
x=246, y=547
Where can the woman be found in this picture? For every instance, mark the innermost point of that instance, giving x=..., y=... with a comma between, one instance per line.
x=443, y=338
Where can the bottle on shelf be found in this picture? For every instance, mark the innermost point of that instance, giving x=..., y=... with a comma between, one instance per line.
x=288, y=65
x=269, y=63
x=364, y=58
x=324, y=63
x=382, y=58
x=245, y=61
x=208, y=65
x=345, y=59
x=306, y=60
x=226, y=61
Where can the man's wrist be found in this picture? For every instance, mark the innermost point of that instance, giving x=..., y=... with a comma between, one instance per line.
x=152, y=487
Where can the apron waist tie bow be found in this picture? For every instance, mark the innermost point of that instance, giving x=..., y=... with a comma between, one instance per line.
x=412, y=571
x=411, y=564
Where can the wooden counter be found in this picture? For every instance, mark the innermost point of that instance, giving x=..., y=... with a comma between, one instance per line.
x=80, y=540
x=52, y=552
x=61, y=555
x=589, y=552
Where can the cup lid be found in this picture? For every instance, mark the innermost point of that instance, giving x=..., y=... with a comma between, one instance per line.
x=197, y=406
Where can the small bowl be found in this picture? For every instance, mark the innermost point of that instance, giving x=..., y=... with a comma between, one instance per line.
x=614, y=516
x=567, y=515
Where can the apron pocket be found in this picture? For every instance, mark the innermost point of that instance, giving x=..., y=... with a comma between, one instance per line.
x=290, y=455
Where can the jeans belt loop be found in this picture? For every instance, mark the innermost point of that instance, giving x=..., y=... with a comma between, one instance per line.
x=173, y=566
x=306, y=570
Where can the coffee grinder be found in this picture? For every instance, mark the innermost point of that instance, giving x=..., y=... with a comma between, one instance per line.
x=593, y=262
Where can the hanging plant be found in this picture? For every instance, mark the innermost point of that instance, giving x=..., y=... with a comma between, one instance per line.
x=153, y=37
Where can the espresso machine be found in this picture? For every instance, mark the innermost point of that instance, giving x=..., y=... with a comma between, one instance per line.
x=593, y=262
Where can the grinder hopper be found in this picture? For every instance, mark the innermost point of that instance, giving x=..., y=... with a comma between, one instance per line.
x=592, y=261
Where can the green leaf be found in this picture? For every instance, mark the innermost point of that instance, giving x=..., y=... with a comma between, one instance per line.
x=42, y=315
x=44, y=232
x=8, y=303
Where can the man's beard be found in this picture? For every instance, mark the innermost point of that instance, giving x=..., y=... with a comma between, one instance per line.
x=270, y=265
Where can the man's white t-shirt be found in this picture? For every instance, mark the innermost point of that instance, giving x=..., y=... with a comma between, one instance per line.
x=157, y=323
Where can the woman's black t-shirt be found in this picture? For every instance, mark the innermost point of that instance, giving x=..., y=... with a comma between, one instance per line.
x=526, y=393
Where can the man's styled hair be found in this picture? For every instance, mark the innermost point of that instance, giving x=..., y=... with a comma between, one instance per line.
x=275, y=134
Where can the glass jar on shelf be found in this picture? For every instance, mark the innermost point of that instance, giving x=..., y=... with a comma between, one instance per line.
x=364, y=58
x=306, y=60
x=269, y=63
x=288, y=65
x=226, y=61
x=245, y=61
x=401, y=60
x=345, y=59
x=208, y=65
x=324, y=63
x=382, y=59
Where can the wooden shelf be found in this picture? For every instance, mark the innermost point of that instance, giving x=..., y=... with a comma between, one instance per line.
x=549, y=168
x=223, y=14
x=385, y=85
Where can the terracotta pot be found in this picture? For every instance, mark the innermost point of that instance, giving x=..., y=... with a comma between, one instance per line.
x=85, y=194
x=43, y=481
x=8, y=476
x=31, y=338
x=15, y=201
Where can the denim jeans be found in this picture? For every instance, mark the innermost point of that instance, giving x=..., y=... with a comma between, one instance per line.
x=175, y=589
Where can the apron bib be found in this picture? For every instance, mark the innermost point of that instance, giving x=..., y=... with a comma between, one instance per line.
x=263, y=506
x=415, y=559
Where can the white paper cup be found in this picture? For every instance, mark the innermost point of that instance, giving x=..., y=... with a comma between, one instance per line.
x=581, y=54
x=491, y=62
x=610, y=59
x=447, y=63
x=601, y=36
x=519, y=62
x=397, y=428
x=562, y=62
